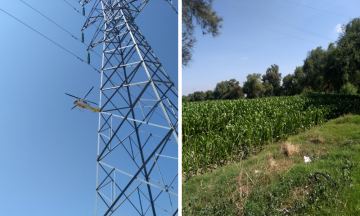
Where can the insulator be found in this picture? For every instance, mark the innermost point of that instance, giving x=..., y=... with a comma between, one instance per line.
x=82, y=37
x=88, y=58
x=83, y=11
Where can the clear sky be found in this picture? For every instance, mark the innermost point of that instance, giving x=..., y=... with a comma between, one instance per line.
x=47, y=151
x=250, y=41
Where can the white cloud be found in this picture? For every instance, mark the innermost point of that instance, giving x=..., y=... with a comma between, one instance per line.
x=338, y=28
x=244, y=58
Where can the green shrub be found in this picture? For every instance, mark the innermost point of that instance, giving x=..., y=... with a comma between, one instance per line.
x=348, y=89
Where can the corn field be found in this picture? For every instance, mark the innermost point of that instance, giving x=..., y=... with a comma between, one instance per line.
x=218, y=132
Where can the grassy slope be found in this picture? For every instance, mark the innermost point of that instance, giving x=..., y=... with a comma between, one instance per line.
x=280, y=183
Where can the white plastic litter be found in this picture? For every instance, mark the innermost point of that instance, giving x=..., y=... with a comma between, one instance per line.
x=307, y=159
x=351, y=185
x=257, y=171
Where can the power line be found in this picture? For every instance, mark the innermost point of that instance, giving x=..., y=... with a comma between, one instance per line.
x=63, y=47
x=97, y=53
x=50, y=40
x=171, y=5
x=73, y=7
x=78, y=11
x=282, y=22
x=315, y=8
x=60, y=27
x=74, y=36
x=276, y=31
x=49, y=19
x=277, y=20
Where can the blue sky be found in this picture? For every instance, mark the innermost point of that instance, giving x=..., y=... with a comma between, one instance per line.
x=47, y=151
x=244, y=48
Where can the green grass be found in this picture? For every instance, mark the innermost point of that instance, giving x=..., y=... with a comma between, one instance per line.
x=280, y=183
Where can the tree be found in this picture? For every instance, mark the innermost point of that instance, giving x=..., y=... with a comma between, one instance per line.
x=299, y=80
x=269, y=90
x=199, y=96
x=186, y=98
x=253, y=88
x=314, y=68
x=191, y=97
x=288, y=84
x=333, y=74
x=348, y=89
x=343, y=61
x=235, y=92
x=228, y=90
x=273, y=77
x=307, y=89
x=200, y=13
x=209, y=95
x=348, y=55
x=293, y=84
x=220, y=90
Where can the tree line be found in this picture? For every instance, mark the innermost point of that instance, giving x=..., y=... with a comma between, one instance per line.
x=332, y=70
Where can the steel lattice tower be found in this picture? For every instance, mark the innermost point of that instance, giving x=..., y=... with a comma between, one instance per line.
x=137, y=137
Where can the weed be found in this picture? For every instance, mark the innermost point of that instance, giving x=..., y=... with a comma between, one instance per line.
x=288, y=149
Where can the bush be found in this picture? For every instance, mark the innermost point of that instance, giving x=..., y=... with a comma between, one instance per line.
x=348, y=89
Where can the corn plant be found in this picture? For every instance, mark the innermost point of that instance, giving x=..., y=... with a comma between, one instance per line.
x=216, y=132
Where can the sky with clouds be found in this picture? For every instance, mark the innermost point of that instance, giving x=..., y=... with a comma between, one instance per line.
x=259, y=33
x=338, y=28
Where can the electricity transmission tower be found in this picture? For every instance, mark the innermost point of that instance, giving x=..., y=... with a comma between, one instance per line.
x=137, y=171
